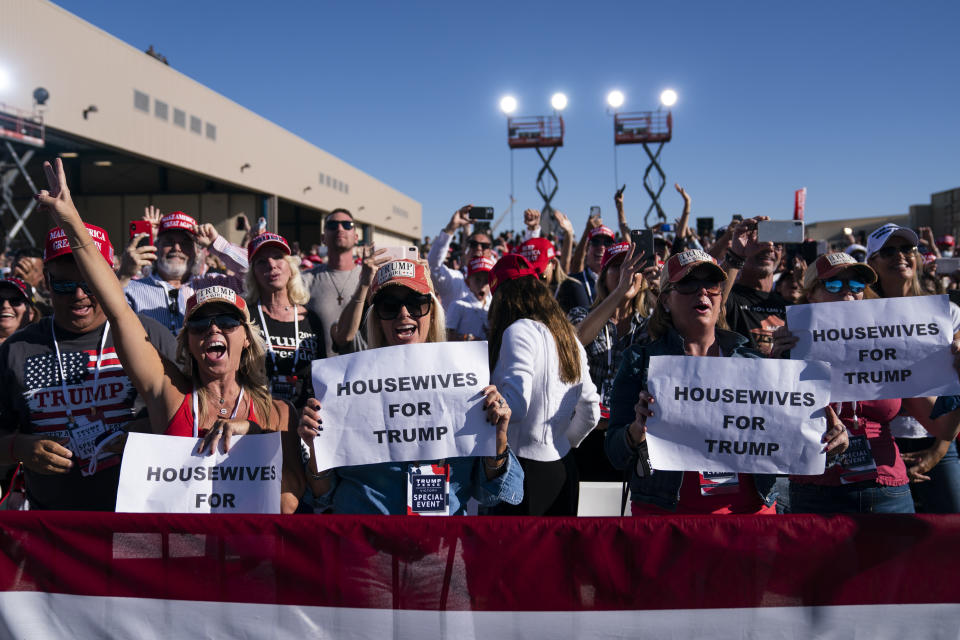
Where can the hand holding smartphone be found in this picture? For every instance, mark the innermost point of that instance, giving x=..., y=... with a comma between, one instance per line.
x=643, y=239
x=142, y=226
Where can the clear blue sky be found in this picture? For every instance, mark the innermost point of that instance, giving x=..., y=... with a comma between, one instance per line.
x=857, y=101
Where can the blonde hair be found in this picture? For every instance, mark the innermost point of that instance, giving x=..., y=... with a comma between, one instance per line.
x=642, y=302
x=915, y=288
x=559, y=275
x=251, y=374
x=436, y=333
x=296, y=290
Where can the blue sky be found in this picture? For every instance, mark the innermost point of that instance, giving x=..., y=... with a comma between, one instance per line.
x=857, y=101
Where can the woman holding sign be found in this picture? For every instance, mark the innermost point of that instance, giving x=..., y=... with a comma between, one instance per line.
x=870, y=477
x=406, y=311
x=221, y=390
x=688, y=320
x=541, y=368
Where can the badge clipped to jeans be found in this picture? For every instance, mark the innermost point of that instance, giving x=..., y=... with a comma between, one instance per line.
x=857, y=463
x=718, y=483
x=428, y=490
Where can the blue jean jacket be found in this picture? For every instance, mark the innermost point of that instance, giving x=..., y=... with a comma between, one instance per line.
x=661, y=488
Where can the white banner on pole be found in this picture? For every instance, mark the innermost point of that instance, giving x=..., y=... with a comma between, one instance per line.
x=884, y=348
x=164, y=474
x=403, y=403
x=742, y=415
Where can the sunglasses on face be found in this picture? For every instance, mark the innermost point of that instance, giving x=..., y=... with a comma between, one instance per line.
x=836, y=285
x=388, y=307
x=15, y=301
x=68, y=287
x=225, y=322
x=605, y=241
x=333, y=225
x=889, y=252
x=689, y=286
x=482, y=245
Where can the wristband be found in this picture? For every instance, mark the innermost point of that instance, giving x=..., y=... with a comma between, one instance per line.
x=734, y=260
x=497, y=459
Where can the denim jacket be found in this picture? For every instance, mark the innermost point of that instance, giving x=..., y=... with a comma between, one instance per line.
x=661, y=488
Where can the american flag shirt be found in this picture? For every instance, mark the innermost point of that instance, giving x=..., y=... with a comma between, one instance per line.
x=32, y=400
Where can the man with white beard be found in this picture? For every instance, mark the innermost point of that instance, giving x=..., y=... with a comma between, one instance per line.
x=163, y=295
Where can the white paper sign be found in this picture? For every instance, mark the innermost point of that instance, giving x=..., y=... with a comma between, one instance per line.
x=403, y=403
x=885, y=348
x=743, y=415
x=164, y=474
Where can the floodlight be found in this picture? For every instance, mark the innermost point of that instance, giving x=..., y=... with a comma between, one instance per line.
x=615, y=99
x=508, y=104
x=559, y=101
x=668, y=98
x=40, y=96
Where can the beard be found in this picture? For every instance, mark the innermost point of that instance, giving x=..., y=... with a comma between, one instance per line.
x=173, y=269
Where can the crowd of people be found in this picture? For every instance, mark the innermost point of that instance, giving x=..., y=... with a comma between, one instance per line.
x=186, y=334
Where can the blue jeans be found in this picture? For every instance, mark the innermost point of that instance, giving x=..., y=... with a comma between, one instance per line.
x=940, y=494
x=860, y=497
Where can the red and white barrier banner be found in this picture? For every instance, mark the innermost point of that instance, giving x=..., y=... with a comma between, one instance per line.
x=71, y=574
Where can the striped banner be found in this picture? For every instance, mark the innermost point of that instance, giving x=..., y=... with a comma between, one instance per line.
x=72, y=574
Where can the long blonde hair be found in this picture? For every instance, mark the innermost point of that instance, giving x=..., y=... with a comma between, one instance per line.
x=642, y=302
x=251, y=375
x=915, y=288
x=296, y=290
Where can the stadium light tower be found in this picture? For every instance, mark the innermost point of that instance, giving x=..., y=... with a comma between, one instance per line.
x=538, y=133
x=652, y=129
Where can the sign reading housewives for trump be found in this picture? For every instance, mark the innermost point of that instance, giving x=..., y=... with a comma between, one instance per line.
x=165, y=474
x=745, y=415
x=403, y=403
x=885, y=348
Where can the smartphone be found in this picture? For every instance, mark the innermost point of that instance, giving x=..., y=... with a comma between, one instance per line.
x=704, y=227
x=594, y=211
x=780, y=231
x=947, y=266
x=403, y=253
x=643, y=239
x=620, y=191
x=241, y=222
x=667, y=227
x=481, y=213
x=142, y=226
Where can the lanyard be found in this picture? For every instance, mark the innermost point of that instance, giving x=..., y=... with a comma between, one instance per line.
x=296, y=338
x=586, y=283
x=63, y=375
x=196, y=413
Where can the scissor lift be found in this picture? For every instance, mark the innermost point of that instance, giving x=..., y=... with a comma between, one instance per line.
x=539, y=132
x=652, y=129
x=21, y=134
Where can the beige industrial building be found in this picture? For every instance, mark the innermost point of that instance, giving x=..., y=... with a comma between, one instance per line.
x=134, y=131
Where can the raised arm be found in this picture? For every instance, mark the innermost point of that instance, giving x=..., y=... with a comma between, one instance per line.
x=140, y=359
x=621, y=216
x=631, y=281
x=576, y=265
x=682, y=227
x=566, y=250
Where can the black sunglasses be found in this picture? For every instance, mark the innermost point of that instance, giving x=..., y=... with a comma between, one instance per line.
x=225, y=321
x=483, y=245
x=68, y=287
x=889, y=252
x=688, y=286
x=332, y=225
x=416, y=304
x=606, y=241
x=15, y=301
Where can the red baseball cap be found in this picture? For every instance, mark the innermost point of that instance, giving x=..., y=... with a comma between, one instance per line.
x=680, y=264
x=947, y=240
x=510, y=267
x=602, y=230
x=411, y=275
x=480, y=264
x=266, y=239
x=830, y=264
x=57, y=244
x=612, y=252
x=216, y=293
x=538, y=252
x=178, y=221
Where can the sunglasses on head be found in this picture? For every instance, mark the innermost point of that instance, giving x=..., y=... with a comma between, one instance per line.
x=14, y=300
x=416, y=304
x=689, y=286
x=482, y=245
x=332, y=225
x=836, y=285
x=606, y=241
x=68, y=287
x=889, y=252
x=224, y=321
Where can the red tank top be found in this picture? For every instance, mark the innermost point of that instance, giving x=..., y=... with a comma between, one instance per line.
x=182, y=422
